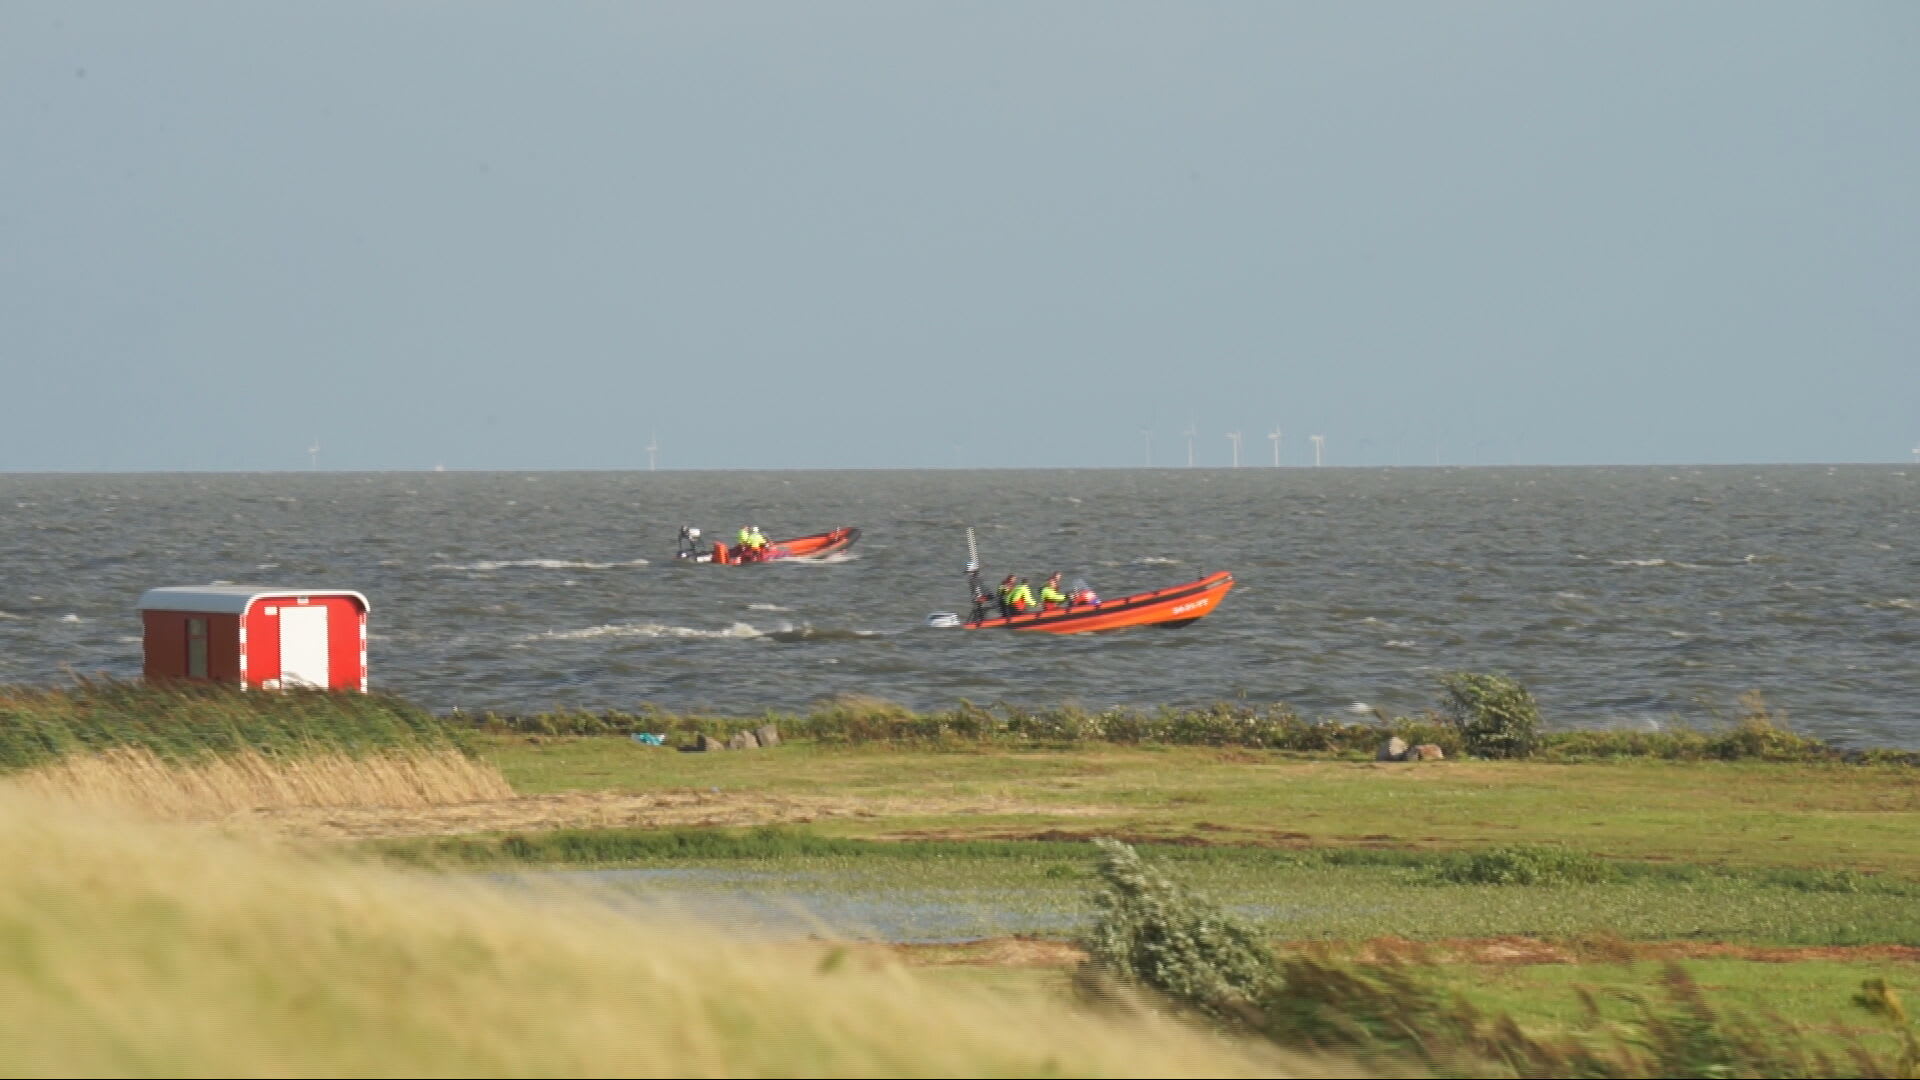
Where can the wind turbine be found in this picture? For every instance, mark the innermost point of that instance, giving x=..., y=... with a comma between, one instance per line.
x=653, y=450
x=1234, y=437
x=1274, y=437
x=1319, y=443
x=1916, y=453
x=1148, y=432
x=313, y=455
x=1190, y=434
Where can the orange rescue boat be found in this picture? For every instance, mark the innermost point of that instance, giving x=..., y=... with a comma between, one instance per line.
x=1175, y=605
x=814, y=546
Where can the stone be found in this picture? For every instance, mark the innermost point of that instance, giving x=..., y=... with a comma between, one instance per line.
x=1427, y=751
x=704, y=741
x=1394, y=749
x=743, y=740
x=767, y=734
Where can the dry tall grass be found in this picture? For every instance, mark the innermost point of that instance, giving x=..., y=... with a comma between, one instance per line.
x=138, y=948
x=214, y=786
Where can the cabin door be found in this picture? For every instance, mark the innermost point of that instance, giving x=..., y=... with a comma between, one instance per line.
x=303, y=646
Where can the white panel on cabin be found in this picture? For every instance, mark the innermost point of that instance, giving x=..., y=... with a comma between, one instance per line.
x=303, y=646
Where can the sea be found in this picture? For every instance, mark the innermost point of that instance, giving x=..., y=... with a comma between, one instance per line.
x=1640, y=597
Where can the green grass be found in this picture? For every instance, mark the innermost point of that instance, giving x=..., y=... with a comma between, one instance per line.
x=1812, y=996
x=1816, y=816
x=1813, y=993
x=985, y=888
x=1153, y=932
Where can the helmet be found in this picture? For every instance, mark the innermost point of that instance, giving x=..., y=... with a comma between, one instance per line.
x=1008, y=580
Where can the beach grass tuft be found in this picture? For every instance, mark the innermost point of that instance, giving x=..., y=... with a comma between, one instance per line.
x=135, y=948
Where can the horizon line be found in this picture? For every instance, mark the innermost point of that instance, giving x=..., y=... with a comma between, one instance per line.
x=131, y=470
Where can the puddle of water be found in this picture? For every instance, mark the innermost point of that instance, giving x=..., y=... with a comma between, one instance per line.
x=788, y=905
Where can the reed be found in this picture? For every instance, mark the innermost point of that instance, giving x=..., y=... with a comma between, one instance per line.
x=136, y=948
x=182, y=721
x=216, y=785
x=1753, y=732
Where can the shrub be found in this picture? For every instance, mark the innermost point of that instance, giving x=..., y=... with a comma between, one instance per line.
x=1152, y=932
x=1761, y=733
x=1497, y=716
x=1526, y=866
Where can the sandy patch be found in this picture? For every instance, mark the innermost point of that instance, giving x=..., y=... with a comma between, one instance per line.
x=685, y=808
x=1016, y=952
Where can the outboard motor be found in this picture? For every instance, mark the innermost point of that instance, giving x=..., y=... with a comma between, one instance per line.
x=984, y=605
x=976, y=592
x=688, y=548
x=1079, y=593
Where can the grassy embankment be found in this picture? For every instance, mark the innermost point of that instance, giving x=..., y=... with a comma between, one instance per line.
x=1593, y=866
x=200, y=752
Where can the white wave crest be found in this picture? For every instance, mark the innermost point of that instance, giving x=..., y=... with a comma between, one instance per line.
x=1675, y=563
x=540, y=564
x=767, y=607
x=646, y=630
x=822, y=560
x=69, y=617
x=1154, y=560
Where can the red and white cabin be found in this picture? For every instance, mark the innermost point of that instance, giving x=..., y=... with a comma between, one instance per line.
x=269, y=639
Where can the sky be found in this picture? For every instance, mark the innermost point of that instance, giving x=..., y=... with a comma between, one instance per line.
x=890, y=234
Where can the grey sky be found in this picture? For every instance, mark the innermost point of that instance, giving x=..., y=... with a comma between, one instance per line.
x=892, y=234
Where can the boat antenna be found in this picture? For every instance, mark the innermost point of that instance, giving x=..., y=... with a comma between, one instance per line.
x=976, y=595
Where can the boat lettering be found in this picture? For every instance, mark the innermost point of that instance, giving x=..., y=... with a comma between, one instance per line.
x=1184, y=608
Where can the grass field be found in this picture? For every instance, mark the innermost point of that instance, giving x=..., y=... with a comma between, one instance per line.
x=1745, y=813
x=1553, y=891
x=920, y=890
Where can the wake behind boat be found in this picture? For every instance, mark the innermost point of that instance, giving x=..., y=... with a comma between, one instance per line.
x=1172, y=606
x=813, y=546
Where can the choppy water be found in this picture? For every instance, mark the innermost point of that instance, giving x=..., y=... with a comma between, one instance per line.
x=1621, y=595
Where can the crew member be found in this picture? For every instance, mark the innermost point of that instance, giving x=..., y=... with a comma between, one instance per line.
x=1020, y=598
x=1050, y=595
